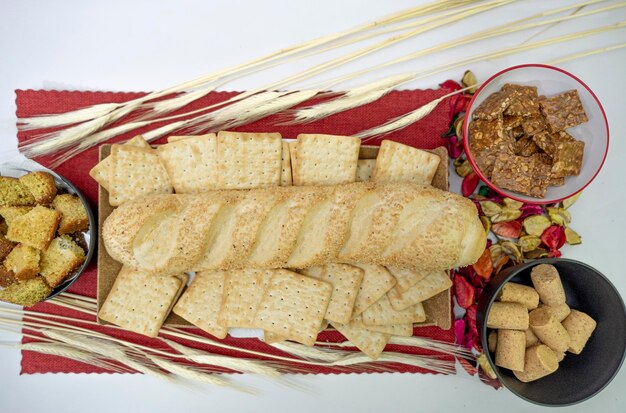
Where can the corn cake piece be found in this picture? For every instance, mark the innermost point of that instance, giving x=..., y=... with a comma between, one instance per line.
x=73, y=214
x=14, y=193
x=6, y=247
x=23, y=261
x=41, y=185
x=26, y=293
x=10, y=213
x=35, y=228
x=61, y=258
x=7, y=277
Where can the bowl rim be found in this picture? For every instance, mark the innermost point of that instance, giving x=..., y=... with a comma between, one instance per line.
x=484, y=336
x=93, y=234
x=470, y=157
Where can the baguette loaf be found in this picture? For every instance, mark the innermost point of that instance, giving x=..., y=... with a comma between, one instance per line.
x=400, y=225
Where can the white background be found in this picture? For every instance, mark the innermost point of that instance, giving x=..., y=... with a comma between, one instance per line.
x=148, y=45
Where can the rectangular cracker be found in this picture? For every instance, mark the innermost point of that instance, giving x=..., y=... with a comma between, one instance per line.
x=136, y=172
x=371, y=343
x=171, y=139
x=402, y=163
x=429, y=286
x=346, y=281
x=382, y=313
x=102, y=171
x=293, y=156
x=243, y=291
x=377, y=281
x=419, y=313
x=364, y=169
x=285, y=173
x=202, y=301
x=402, y=330
x=326, y=159
x=191, y=163
x=248, y=160
x=140, y=302
x=293, y=306
x=407, y=278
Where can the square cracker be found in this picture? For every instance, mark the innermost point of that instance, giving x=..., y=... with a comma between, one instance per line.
x=402, y=163
x=326, y=159
x=171, y=139
x=140, y=302
x=405, y=278
x=346, y=280
x=202, y=301
x=248, y=160
x=102, y=171
x=191, y=163
x=402, y=330
x=372, y=343
x=136, y=172
x=243, y=291
x=377, y=281
x=364, y=169
x=382, y=313
x=294, y=306
x=428, y=287
x=285, y=160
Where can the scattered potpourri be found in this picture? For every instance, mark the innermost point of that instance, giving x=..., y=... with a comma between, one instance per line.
x=517, y=233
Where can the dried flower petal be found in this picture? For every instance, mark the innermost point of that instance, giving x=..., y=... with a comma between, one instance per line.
x=459, y=330
x=528, y=210
x=458, y=125
x=484, y=191
x=536, y=254
x=507, y=214
x=570, y=201
x=536, y=224
x=464, y=169
x=486, y=223
x=469, y=79
x=572, y=237
x=484, y=266
x=464, y=292
x=511, y=203
x=559, y=216
x=553, y=237
x=511, y=229
x=529, y=242
x=470, y=182
x=484, y=364
x=496, y=252
x=500, y=263
x=511, y=250
x=454, y=147
x=490, y=208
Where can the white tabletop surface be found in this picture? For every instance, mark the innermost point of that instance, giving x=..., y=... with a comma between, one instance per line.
x=145, y=45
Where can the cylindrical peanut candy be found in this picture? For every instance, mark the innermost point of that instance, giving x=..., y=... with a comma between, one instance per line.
x=492, y=341
x=548, y=284
x=531, y=338
x=539, y=362
x=560, y=312
x=548, y=330
x=559, y=355
x=518, y=293
x=511, y=349
x=510, y=316
x=580, y=327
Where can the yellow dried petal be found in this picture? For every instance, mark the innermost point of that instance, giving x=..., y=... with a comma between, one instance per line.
x=570, y=201
x=572, y=237
x=506, y=214
x=458, y=125
x=496, y=252
x=490, y=208
x=469, y=79
x=559, y=216
x=513, y=204
x=536, y=224
x=484, y=364
x=463, y=169
x=529, y=242
x=512, y=250
x=486, y=224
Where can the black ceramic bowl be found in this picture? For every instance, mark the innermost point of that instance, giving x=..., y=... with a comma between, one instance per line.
x=90, y=235
x=579, y=377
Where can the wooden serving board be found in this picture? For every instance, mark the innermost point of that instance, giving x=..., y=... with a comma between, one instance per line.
x=437, y=308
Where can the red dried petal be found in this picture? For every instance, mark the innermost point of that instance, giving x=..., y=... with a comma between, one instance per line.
x=464, y=292
x=484, y=266
x=554, y=254
x=455, y=147
x=528, y=210
x=509, y=229
x=470, y=182
x=470, y=315
x=459, y=331
x=451, y=84
x=554, y=237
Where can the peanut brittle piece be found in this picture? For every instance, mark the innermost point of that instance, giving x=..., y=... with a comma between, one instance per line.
x=563, y=136
x=487, y=157
x=524, y=100
x=526, y=146
x=545, y=141
x=511, y=122
x=533, y=125
x=567, y=158
x=485, y=133
x=517, y=132
x=564, y=110
x=493, y=106
x=540, y=179
x=514, y=173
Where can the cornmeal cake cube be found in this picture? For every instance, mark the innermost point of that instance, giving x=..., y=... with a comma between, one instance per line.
x=23, y=261
x=14, y=193
x=10, y=213
x=6, y=247
x=7, y=277
x=35, y=228
x=62, y=257
x=41, y=185
x=73, y=214
x=26, y=293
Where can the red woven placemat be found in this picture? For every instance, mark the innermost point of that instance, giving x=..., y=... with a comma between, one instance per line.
x=424, y=134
